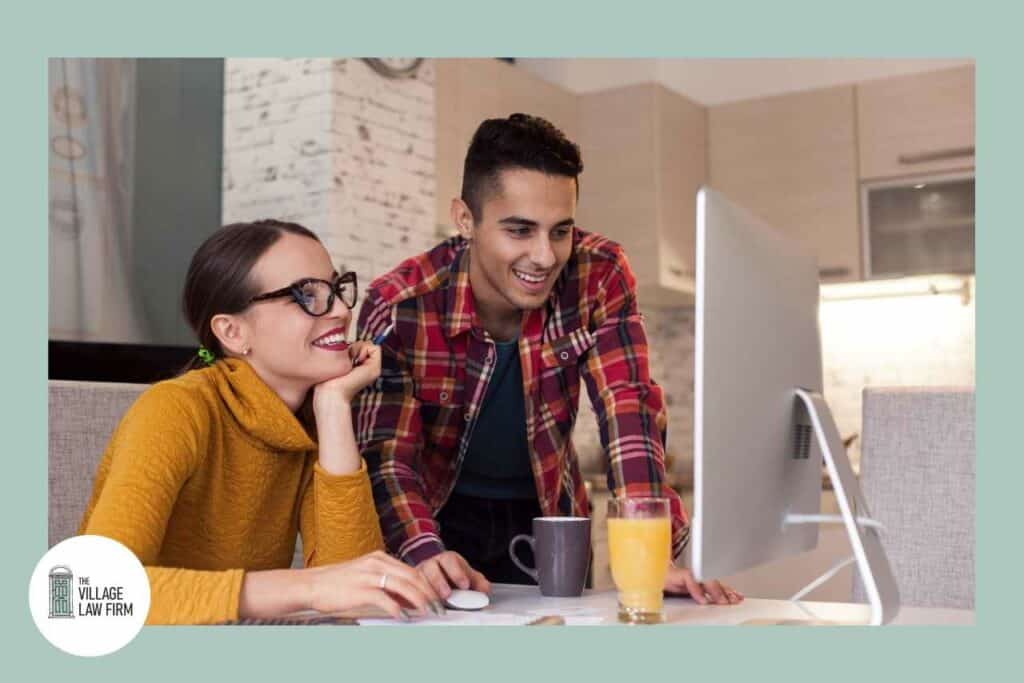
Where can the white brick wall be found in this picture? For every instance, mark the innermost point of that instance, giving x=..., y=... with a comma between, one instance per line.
x=332, y=145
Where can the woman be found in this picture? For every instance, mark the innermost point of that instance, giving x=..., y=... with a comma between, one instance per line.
x=209, y=476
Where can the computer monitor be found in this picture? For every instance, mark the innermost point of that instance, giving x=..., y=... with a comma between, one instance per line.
x=761, y=427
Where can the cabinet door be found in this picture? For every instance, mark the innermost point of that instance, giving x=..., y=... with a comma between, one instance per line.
x=450, y=150
x=522, y=91
x=791, y=160
x=920, y=229
x=919, y=124
x=466, y=92
x=681, y=150
x=618, y=196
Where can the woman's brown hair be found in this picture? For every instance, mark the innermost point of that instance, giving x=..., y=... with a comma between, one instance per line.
x=219, y=278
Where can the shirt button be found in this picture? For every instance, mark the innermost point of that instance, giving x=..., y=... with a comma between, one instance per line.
x=444, y=395
x=564, y=355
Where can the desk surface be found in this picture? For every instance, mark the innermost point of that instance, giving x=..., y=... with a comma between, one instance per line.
x=517, y=604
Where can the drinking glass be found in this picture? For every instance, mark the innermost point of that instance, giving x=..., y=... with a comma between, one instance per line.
x=640, y=547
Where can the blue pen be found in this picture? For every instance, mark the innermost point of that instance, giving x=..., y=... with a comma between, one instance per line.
x=380, y=337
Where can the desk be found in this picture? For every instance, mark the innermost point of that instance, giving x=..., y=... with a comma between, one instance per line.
x=599, y=607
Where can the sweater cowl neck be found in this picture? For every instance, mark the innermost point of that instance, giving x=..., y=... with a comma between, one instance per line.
x=256, y=407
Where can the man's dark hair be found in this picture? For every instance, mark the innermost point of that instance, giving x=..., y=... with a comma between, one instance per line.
x=520, y=141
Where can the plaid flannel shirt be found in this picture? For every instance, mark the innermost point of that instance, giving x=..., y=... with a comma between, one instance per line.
x=414, y=423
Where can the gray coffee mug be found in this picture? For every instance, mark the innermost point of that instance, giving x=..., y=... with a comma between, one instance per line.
x=561, y=549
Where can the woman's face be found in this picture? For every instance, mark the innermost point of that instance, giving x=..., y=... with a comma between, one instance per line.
x=289, y=348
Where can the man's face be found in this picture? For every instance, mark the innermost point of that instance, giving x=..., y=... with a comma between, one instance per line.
x=521, y=241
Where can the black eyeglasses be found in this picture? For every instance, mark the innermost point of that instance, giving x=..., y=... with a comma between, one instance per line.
x=317, y=296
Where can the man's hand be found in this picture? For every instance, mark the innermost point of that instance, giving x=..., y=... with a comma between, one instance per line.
x=680, y=580
x=450, y=569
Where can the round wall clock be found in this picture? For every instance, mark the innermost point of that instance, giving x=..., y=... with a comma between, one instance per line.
x=395, y=67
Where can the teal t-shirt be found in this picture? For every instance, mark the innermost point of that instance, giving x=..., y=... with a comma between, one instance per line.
x=497, y=463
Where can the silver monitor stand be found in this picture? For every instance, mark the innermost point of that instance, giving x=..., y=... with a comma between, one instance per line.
x=879, y=584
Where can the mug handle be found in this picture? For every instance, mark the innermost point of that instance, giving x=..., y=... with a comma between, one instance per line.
x=515, y=560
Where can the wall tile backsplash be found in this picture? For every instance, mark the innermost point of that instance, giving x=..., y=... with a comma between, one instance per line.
x=670, y=341
x=897, y=341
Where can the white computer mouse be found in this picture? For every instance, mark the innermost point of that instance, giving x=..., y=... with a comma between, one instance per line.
x=467, y=600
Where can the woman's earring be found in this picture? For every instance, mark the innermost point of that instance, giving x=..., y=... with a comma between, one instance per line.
x=246, y=351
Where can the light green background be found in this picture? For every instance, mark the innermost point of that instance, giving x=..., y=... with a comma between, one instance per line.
x=520, y=28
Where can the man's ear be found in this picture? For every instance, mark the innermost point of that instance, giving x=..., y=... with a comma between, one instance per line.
x=462, y=218
x=232, y=333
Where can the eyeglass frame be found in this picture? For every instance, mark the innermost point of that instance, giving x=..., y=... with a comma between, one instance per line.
x=294, y=290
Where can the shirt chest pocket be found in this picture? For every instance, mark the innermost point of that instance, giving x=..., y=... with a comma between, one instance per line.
x=568, y=350
x=442, y=392
x=441, y=411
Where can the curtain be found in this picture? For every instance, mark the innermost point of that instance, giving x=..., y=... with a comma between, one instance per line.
x=91, y=153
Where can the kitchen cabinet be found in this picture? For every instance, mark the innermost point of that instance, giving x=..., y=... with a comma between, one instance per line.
x=795, y=160
x=644, y=154
x=792, y=161
x=918, y=124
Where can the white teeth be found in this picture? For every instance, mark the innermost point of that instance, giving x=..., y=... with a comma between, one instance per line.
x=529, y=278
x=330, y=340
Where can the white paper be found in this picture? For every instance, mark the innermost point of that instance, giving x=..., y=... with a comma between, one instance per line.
x=457, y=618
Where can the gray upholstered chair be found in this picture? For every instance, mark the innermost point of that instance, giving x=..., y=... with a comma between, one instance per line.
x=917, y=473
x=83, y=415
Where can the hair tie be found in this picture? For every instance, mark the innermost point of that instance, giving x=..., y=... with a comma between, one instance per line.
x=205, y=355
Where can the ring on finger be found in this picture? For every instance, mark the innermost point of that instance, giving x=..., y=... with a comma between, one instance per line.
x=383, y=581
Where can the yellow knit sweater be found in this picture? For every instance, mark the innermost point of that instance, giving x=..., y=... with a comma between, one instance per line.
x=210, y=474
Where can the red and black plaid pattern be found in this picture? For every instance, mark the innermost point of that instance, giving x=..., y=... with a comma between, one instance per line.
x=414, y=424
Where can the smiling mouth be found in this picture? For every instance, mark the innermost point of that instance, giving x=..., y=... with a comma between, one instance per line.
x=529, y=278
x=332, y=341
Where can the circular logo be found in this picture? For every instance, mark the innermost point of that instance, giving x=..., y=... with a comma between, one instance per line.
x=89, y=596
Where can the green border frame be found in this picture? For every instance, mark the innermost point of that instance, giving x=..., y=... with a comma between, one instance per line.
x=525, y=28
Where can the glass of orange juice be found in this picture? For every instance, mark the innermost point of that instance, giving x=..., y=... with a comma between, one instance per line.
x=640, y=548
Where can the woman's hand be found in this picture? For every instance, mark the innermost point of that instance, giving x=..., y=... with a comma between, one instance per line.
x=357, y=583
x=332, y=408
x=341, y=390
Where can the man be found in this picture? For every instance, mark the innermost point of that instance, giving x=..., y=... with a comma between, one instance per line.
x=485, y=341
